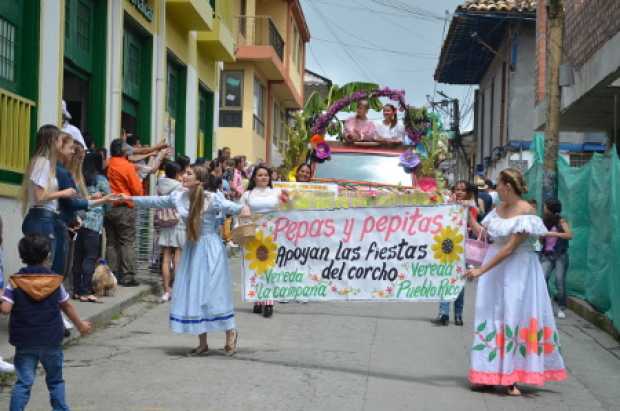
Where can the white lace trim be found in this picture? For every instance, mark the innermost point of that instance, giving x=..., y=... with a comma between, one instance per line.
x=522, y=224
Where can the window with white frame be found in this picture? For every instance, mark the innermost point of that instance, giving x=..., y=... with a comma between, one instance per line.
x=295, y=44
x=231, y=99
x=258, y=123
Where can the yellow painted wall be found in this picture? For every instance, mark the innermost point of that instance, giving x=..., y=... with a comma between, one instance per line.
x=178, y=41
x=295, y=75
x=131, y=10
x=227, y=10
x=278, y=11
x=208, y=72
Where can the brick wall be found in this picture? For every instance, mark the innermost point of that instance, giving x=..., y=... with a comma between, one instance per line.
x=589, y=25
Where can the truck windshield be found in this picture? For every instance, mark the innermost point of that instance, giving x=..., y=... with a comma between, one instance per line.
x=374, y=168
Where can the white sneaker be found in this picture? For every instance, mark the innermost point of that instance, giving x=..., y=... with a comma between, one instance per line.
x=165, y=298
x=561, y=314
x=6, y=367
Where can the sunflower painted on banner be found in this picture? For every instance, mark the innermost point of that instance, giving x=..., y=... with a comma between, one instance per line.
x=261, y=253
x=448, y=246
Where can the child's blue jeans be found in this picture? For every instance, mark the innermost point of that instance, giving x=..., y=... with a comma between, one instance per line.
x=26, y=360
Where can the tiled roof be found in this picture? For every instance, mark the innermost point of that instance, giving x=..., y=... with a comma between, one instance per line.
x=507, y=6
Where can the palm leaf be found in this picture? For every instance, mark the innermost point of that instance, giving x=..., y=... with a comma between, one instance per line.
x=314, y=105
x=337, y=93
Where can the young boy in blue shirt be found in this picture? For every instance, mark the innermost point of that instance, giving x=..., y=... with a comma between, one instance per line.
x=34, y=297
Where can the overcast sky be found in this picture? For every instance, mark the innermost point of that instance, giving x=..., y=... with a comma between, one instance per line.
x=395, y=43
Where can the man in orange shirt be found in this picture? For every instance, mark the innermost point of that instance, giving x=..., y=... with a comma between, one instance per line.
x=120, y=220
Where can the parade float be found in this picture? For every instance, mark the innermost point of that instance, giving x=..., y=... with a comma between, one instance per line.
x=368, y=172
x=375, y=223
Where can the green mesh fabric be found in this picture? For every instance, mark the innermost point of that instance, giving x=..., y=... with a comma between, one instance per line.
x=590, y=197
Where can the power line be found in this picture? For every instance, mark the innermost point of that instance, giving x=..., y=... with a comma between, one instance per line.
x=359, y=8
x=342, y=45
x=318, y=62
x=405, y=8
x=355, y=36
x=429, y=55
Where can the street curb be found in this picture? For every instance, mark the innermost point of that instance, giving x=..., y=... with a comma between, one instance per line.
x=98, y=320
x=104, y=317
x=590, y=314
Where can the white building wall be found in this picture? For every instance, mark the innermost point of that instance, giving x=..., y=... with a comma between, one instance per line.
x=51, y=41
x=11, y=213
x=191, y=113
x=114, y=72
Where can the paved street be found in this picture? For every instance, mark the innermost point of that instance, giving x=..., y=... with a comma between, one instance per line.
x=355, y=356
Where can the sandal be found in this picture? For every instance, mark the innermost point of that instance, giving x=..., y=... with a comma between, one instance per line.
x=231, y=346
x=513, y=391
x=93, y=299
x=198, y=351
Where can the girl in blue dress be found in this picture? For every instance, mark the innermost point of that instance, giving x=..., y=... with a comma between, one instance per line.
x=202, y=293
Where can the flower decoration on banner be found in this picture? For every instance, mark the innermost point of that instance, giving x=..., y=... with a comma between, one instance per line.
x=261, y=253
x=448, y=246
x=409, y=161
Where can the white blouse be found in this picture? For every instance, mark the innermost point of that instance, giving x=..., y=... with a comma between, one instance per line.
x=393, y=133
x=262, y=200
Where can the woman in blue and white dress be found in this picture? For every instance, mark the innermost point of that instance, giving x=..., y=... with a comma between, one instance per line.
x=202, y=293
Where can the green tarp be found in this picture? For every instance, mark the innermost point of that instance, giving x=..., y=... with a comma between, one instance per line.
x=590, y=197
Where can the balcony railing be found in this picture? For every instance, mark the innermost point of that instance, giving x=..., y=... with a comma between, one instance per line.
x=259, y=31
x=15, y=114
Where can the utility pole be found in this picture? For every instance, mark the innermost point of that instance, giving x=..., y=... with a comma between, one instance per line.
x=555, y=39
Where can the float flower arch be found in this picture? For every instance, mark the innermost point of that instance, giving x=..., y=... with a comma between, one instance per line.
x=416, y=121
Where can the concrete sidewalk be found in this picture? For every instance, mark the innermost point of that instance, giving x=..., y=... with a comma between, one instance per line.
x=99, y=314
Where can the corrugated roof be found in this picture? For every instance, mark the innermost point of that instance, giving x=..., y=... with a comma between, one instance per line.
x=508, y=6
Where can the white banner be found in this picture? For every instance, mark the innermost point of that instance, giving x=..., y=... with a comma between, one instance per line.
x=397, y=253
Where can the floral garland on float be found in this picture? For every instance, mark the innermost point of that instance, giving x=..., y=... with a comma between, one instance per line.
x=422, y=128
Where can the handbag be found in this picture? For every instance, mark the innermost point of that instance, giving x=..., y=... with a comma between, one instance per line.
x=166, y=217
x=476, y=249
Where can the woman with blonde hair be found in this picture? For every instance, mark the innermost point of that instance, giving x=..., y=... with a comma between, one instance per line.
x=40, y=192
x=515, y=338
x=202, y=293
x=69, y=174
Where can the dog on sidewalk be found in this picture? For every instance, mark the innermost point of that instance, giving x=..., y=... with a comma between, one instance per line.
x=104, y=280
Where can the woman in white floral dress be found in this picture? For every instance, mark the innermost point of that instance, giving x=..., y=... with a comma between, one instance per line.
x=515, y=336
